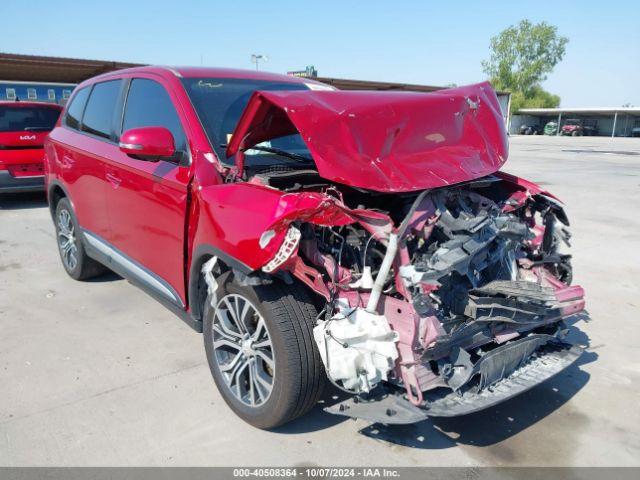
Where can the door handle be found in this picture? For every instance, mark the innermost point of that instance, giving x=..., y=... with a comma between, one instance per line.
x=66, y=162
x=113, y=179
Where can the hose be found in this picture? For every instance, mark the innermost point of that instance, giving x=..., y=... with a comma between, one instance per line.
x=374, y=298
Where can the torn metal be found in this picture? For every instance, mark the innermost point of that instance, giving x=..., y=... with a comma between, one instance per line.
x=209, y=278
x=471, y=284
x=434, y=287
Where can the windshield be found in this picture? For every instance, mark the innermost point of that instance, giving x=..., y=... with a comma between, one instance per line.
x=30, y=119
x=220, y=102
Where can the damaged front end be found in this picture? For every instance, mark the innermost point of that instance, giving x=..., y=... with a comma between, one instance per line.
x=440, y=303
x=441, y=294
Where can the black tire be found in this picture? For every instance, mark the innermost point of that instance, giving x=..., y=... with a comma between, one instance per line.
x=84, y=266
x=298, y=378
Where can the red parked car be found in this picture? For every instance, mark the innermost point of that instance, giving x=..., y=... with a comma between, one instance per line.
x=23, y=128
x=364, y=238
x=577, y=128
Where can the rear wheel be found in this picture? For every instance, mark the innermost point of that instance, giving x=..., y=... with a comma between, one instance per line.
x=260, y=348
x=74, y=258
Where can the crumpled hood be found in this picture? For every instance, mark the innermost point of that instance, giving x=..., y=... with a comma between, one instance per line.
x=384, y=141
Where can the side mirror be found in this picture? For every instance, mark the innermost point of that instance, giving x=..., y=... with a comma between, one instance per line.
x=148, y=143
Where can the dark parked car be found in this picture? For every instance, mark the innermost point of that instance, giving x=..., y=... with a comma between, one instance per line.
x=530, y=130
x=363, y=238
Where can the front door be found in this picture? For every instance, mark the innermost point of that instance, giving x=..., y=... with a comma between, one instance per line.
x=147, y=201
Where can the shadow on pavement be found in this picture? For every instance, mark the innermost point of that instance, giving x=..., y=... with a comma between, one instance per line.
x=492, y=425
x=500, y=422
x=317, y=418
x=108, y=276
x=483, y=428
x=22, y=201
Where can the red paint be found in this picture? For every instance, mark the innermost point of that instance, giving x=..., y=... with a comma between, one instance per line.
x=148, y=142
x=384, y=141
x=21, y=151
x=522, y=189
x=160, y=213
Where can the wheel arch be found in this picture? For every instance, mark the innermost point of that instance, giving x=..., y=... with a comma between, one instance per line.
x=56, y=192
x=197, y=287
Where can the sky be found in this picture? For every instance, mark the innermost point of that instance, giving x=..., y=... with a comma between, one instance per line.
x=425, y=42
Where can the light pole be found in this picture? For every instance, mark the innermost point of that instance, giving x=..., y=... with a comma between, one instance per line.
x=255, y=58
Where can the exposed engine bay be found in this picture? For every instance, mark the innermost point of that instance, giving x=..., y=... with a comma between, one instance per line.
x=442, y=283
x=431, y=301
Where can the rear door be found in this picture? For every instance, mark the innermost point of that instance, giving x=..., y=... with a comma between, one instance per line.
x=87, y=139
x=147, y=201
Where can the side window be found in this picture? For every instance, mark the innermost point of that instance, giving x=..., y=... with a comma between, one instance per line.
x=74, y=111
x=149, y=105
x=98, y=115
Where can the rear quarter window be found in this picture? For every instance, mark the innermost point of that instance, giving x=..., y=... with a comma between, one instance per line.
x=98, y=114
x=76, y=107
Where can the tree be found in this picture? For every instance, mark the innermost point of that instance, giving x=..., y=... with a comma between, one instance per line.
x=537, y=98
x=521, y=58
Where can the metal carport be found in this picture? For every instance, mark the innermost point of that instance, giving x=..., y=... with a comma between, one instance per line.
x=610, y=121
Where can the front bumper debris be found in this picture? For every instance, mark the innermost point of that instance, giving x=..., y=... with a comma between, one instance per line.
x=385, y=407
x=507, y=372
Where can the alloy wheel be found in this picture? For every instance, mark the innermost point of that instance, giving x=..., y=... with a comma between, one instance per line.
x=67, y=240
x=243, y=350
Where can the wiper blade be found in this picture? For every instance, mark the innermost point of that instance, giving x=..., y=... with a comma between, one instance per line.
x=282, y=153
x=36, y=129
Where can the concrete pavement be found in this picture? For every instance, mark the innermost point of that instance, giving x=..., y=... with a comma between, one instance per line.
x=98, y=373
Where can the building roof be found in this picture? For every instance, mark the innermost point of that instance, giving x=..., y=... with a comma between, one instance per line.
x=53, y=69
x=210, y=72
x=35, y=68
x=347, y=84
x=580, y=110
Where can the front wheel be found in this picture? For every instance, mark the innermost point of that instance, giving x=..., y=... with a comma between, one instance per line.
x=260, y=348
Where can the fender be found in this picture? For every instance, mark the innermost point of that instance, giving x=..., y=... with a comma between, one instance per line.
x=50, y=188
x=195, y=288
x=522, y=184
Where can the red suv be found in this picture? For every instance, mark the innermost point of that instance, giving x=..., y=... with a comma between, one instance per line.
x=23, y=128
x=362, y=238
